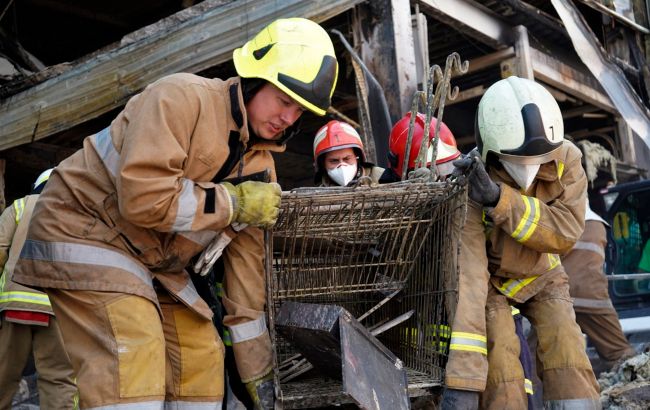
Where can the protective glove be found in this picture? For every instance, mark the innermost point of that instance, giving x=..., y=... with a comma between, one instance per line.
x=262, y=392
x=255, y=203
x=215, y=249
x=424, y=174
x=481, y=187
x=453, y=399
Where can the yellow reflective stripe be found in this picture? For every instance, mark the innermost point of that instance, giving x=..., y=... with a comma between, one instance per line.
x=528, y=222
x=227, y=340
x=75, y=397
x=553, y=260
x=219, y=290
x=19, y=206
x=515, y=311
x=469, y=342
x=512, y=286
x=528, y=386
x=560, y=169
x=26, y=297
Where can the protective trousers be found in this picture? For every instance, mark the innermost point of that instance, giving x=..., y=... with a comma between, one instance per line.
x=568, y=379
x=56, y=388
x=604, y=331
x=126, y=352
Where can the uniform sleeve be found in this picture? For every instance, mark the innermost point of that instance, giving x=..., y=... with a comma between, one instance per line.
x=152, y=190
x=8, y=226
x=244, y=299
x=553, y=227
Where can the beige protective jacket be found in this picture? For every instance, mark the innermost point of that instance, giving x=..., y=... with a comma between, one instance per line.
x=584, y=265
x=13, y=231
x=531, y=230
x=137, y=202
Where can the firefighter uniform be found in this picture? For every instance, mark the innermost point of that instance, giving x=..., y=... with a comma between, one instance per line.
x=594, y=310
x=509, y=256
x=27, y=323
x=138, y=203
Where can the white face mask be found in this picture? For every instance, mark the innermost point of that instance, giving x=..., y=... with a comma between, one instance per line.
x=522, y=174
x=343, y=174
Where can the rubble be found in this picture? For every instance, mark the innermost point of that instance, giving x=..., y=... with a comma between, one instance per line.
x=627, y=386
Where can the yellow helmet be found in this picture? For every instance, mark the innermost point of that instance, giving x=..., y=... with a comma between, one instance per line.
x=297, y=56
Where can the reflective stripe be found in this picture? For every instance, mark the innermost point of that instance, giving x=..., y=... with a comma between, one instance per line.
x=26, y=297
x=572, y=404
x=19, y=207
x=219, y=289
x=191, y=405
x=593, y=303
x=515, y=311
x=560, y=169
x=512, y=286
x=203, y=237
x=553, y=261
x=469, y=342
x=249, y=330
x=106, y=150
x=188, y=294
x=589, y=246
x=186, y=210
x=144, y=405
x=528, y=222
x=528, y=386
x=83, y=254
x=227, y=340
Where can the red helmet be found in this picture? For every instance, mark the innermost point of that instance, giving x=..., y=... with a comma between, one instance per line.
x=447, y=149
x=336, y=135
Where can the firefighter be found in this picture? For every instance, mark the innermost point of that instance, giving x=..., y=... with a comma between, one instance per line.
x=120, y=219
x=527, y=193
x=339, y=157
x=447, y=148
x=594, y=310
x=27, y=322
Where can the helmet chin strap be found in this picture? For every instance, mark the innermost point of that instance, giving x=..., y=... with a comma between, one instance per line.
x=290, y=132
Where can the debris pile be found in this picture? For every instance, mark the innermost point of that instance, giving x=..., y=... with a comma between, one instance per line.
x=627, y=386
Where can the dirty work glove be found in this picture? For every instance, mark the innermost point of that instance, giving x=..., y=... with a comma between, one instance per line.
x=215, y=249
x=424, y=174
x=453, y=399
x=481, y=187
x=255, y=203
x=262, y=392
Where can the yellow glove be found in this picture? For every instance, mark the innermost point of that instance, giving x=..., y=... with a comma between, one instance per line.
x=255, y=203
x=262, y=392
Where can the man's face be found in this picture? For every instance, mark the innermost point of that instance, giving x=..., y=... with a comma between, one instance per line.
x=271, y=111
x=334, y=158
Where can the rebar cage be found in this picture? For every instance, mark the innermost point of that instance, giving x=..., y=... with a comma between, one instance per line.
x=391, y=249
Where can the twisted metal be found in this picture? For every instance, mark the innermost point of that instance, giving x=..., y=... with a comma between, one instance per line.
x=434, y=102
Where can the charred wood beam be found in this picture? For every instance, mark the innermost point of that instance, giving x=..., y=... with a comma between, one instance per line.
x=612, y=13
x=471, y=18
x=106, y=81
x=537, y=15
x=569, y=80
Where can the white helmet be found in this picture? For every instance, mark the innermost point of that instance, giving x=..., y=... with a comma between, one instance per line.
x=520, y=121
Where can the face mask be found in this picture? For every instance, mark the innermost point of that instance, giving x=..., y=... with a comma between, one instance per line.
x=522, y=174
x=343, y=174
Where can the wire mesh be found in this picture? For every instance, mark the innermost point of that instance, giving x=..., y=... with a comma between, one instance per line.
x=355, y=247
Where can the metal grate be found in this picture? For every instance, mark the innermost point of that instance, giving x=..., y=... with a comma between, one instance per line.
x=355, y=247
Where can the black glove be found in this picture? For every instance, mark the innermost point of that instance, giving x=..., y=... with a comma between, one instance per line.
x=481, y=187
